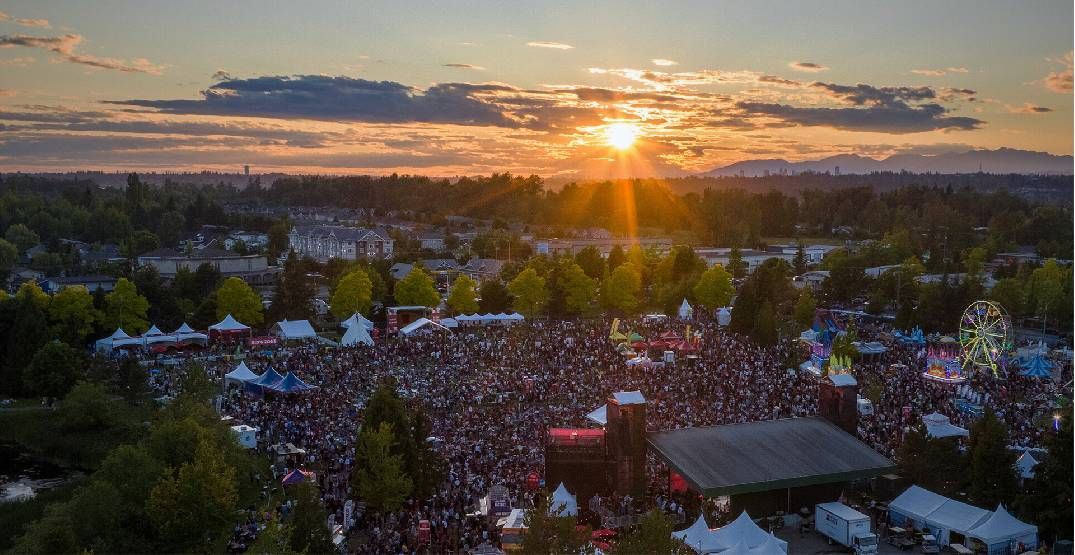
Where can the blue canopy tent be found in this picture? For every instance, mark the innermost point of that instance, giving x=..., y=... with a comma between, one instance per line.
x=290, y=384
x=297, y=477
x=1037, y=367
x=269, y=378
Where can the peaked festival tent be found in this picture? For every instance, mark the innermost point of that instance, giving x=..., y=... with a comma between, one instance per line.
x=294, y=329
x=1001, y=532
x=241, y=374
x=186, y=334
x=355, y=335
x=724, y=316
x=418, y=324
x=686, y=311
x=269, y=377
x=1025, y=465
x=938, y=425
x=106, y=344
x=563, y=503
x=290, y=384
x=741, y=534
x=297, y=477
x=920, y=508
x=357, y=318
x=699, y=537
x=229, y=325
x=1037, y=367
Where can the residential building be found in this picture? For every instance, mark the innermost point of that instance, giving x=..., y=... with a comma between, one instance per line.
x=559, y=247
x=349, y=243
x=92, y=283
x=483, y=269
x=431, y=240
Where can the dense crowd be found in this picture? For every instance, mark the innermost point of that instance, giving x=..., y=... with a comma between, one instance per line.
x=490, y=393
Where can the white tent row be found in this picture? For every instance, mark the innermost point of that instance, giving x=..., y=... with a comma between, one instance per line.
x=465, y=319
x=920, y=508
x=228, y=325
x=152, y=336
x=294, y=329
x=686, y=311
x=740, y=536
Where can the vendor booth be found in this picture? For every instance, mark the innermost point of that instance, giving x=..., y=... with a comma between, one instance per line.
x=359, y=319
x=1002, y=533
x=242, y=374
x=228, y=329
x=294, y=330
x=356, y=335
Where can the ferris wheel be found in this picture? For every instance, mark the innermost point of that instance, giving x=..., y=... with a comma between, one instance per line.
x=985, y=335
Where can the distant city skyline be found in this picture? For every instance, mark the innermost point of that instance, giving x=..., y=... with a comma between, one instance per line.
x=604, y=89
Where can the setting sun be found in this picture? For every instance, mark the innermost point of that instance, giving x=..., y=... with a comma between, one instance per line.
x=621, y=135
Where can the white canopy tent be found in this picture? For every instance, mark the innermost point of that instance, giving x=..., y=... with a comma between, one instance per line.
x=1025, y=465
x=294, y=329
x=938, y=426
x=724, y=316
x=229, y=324
x=482, y=319
x=1001, y=532
x=599, y=415
x=106, y=344
x=187, y=333
x=357, y=318
x=355, y=335
x=919, y=508
x=686, y=311
x=418, y=324
x=741, y=534
x=241, y=374
x=563, y=503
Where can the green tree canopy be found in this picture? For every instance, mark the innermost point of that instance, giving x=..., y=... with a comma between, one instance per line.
x=308, y=531
x=529, y=292
x=125, y=308
x=191, y=507
x=992, y=463
x=53, y=370
x=72, y=314
x=354, y=293
x=495, y=298
x=805, y=308
x=547, y=534
x=22, y=237
x=623, y=288
x=235, y=297
x=714, y=289
x=462, y=299
x=577, y=288
x=652, y=535
x=416, y=289
x=378, y=476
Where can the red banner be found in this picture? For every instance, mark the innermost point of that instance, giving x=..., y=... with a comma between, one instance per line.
x=263, y=341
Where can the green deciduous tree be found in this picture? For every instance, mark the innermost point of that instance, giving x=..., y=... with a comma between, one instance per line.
x=592, y=262
x=652, y=535
x=354, y=293
x=805, y=308
x=378, y=475
x=72, y=314
x=714, y=289
x=308, y=531
x=22, y=237
x=125, y=308
x=577, y=288
x=529, y=292
x=53, y=370
x=1048, y=500
x=1008, y=293
x=462, y=299
x=416, y=289
x=623, y=288
x=235, y=297
x=293, y=295
x=87, y=407
x=736, y=265
x=547, y=534
x=992, y=463
x=192, y=506
x=495, y=298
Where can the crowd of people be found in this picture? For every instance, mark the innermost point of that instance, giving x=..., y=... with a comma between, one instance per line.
x=490, y=394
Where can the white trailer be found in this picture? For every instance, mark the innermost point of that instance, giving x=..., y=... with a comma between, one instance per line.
x=845, y=526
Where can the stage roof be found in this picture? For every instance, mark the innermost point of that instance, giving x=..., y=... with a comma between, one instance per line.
x=762, y=456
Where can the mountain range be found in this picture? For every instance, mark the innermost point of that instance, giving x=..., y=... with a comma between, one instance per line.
x=1001, y=160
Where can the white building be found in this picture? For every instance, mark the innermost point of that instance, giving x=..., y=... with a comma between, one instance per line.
x=349, y=243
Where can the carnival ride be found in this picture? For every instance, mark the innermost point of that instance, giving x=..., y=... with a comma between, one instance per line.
x=985, y=337
x=943, y=363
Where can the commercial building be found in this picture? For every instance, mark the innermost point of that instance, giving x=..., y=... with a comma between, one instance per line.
x=254, y=268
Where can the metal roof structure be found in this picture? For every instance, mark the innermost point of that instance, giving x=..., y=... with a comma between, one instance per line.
x=766, y=455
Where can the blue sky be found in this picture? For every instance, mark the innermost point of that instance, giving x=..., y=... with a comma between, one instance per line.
x=936, y=75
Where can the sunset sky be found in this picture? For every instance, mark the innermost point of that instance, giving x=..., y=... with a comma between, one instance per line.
x=451, y=88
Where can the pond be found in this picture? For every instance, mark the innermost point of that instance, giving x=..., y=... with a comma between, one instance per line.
x=22, y=475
